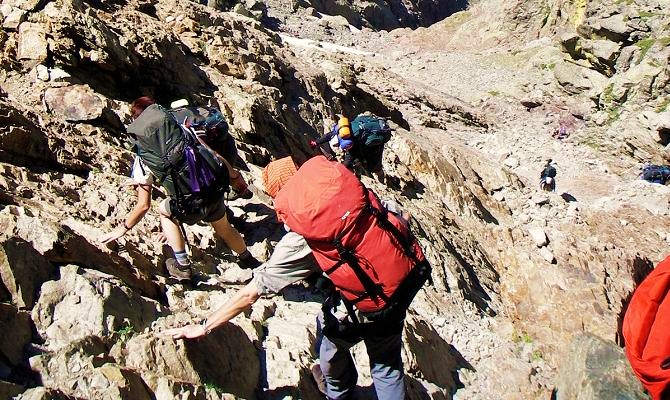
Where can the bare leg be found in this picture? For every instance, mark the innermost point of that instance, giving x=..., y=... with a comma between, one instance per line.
x=171, y=229
x=230, y=235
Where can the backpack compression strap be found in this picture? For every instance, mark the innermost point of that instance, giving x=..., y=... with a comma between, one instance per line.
x=372, y=289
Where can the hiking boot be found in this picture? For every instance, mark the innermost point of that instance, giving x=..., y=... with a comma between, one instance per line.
x=249, y=262
x=319, y=379
x=178, y=271
x=246, y=195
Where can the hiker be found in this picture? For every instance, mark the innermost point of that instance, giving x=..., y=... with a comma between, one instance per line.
x=655, y=173
x=210, y=126
x=562, y=132
x=646, y=333
x=194, y=178
x=326, y=208
x=362, y=141
x=548, y=177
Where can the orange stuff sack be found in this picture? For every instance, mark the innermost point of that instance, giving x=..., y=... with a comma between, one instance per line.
x=343, y=128
x=277, y=173
x=646, y=329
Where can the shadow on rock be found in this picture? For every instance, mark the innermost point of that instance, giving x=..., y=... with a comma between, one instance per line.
x=432, y=363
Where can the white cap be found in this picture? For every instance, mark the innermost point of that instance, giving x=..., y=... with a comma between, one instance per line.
x=179, y=103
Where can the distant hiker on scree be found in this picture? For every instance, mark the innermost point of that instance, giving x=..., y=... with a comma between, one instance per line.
x=195, y=179
x=362, y=141
x=548, y=177
x=335, y=227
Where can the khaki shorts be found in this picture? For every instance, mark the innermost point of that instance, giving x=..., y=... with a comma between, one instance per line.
x=209, y=213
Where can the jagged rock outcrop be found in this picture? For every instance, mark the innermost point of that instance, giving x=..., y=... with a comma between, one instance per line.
x=87, y=302
x=596, y=369
x=82, y=369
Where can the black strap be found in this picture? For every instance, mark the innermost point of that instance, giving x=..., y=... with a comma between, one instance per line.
x=372, y=290
x=180, y=206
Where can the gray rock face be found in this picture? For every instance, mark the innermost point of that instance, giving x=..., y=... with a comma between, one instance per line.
x=23, y=270
x=596, y=369
x=216, y=359
x=83, y=370
x=32, y=43
x=86, y=302
x=74, y=103
x=577, y=79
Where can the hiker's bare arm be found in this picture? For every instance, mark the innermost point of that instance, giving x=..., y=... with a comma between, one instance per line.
x=141, y=207
x=244, y=298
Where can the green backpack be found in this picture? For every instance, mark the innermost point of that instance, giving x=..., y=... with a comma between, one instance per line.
x=190, y=173
x=370, y=130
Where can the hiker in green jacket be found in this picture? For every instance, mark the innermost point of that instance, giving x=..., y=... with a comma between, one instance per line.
x=213, y=212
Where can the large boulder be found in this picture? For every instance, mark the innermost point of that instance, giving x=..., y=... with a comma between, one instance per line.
x=22, y=141
x=593, y=368
x=61, y=245
x=225, y=358
x=86, y=302
x=576, y=79
x=84, y=370
x=23, y=270
x=74, y=103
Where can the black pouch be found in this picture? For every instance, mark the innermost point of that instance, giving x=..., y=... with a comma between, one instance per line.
x=397, y=306
x=344, y=325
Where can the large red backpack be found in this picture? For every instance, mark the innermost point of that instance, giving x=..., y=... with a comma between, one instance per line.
x=366, y=251
x=646, y=329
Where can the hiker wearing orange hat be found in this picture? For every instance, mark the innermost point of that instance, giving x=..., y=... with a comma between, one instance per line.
x=336, y=225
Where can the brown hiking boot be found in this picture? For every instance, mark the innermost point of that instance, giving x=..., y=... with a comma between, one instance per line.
x=177, y=271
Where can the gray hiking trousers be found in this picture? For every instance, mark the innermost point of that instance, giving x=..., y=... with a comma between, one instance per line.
x=337, y=365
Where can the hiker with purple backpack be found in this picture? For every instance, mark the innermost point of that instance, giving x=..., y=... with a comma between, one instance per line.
x=195, y=178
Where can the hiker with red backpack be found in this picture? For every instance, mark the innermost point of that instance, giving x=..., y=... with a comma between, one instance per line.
x=195, y=178
x=339, y=228
x=362, y=141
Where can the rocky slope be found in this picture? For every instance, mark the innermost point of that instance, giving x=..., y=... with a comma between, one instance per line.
x=529, y=287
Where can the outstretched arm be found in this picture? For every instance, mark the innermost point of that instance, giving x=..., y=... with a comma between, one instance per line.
x=141, y=207
x=290, y=262
x=244, y=298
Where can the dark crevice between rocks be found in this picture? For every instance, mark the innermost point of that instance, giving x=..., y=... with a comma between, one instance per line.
x=359, y=100
x=390, y=14
x=217, y=359
x=72, y=248
x=664, y=136
x=641, y=267
x=472, y=288
x=436, y=361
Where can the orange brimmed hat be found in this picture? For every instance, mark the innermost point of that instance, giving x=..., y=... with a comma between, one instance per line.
x=277, y=173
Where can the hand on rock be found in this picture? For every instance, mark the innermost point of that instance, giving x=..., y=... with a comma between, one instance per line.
x=313, y=144
x=185, y=332
x=113, y=235
x=160, y=237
